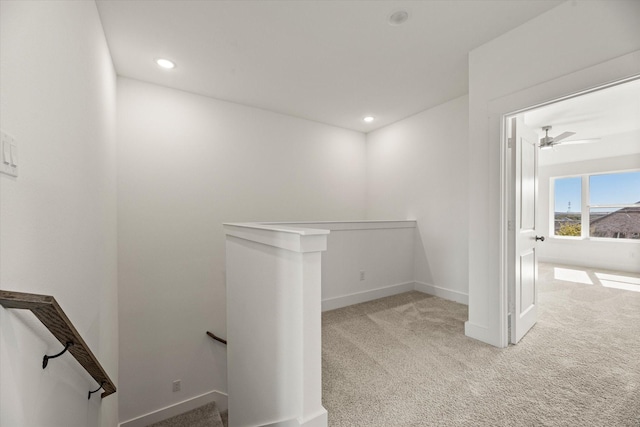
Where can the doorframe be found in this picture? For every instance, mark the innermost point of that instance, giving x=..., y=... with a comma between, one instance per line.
x=607, y=74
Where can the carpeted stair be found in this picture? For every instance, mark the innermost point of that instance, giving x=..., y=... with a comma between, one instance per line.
x=204, y=416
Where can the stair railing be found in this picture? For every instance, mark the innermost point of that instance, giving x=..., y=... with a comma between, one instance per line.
x=217, y=338
x=49, y=312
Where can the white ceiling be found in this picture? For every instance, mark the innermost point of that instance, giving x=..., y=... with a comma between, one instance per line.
x=329, y=61
x=598, y=114
x=610, y=116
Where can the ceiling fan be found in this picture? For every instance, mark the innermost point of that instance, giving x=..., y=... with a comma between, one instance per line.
x=551, y=141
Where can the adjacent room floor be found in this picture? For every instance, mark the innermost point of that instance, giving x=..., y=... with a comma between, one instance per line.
x=405, y=361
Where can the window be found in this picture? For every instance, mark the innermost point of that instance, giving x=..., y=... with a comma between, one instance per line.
x=568, y=205
x=612, y=208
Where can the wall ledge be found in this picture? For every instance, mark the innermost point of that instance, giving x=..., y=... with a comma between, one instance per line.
x=349, y=225
x=282, y=237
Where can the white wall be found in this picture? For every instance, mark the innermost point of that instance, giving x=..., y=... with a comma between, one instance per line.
x=417, y=169
x=537, y=59
x=187, y=164
x=382, y=250
x=609, y=254
x=58, y=218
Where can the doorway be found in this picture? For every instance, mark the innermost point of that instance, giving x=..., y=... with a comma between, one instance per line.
x=587, y=137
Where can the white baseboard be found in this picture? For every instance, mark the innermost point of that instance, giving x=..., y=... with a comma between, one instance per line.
x=387, y=291
x=478, y=332
x=319, y=419
x=481, y=333
x=356, y=298
x=288, y=423
x=622, y=266
x=219, y=397
x=456, y=296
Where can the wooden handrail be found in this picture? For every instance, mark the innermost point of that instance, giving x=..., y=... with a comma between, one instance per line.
x=49, y=312
x=212, y=335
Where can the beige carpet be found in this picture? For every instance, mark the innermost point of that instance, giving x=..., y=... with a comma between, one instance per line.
x=404, y=361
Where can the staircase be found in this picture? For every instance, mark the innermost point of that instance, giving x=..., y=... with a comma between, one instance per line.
x=204, y=416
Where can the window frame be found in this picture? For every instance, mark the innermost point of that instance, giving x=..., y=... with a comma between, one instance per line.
x=585, y=207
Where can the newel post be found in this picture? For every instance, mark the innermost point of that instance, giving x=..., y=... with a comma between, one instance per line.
x=274, y=325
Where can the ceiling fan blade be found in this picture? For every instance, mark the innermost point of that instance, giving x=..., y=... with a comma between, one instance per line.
x=562, y=136
x=580, y=141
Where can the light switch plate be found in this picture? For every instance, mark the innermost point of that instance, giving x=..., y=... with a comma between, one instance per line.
x=8, y=155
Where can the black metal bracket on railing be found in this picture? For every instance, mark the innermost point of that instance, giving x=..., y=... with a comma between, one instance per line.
x=48, y=311
x=45, y=359
x=223, y=341
x=96, y=390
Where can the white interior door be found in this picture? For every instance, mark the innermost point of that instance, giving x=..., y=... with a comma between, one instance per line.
x=524, y=160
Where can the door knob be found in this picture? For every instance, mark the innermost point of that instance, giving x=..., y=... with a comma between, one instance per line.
x=540, y=238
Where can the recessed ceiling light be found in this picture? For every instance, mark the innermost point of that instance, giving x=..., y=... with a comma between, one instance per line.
x=165, y=63
x=369, y=119
x=398, y=17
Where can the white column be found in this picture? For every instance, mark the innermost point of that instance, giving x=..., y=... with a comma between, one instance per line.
x=274, y=325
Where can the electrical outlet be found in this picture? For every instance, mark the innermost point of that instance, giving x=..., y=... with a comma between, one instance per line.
x=361, y=274
x=176, y=385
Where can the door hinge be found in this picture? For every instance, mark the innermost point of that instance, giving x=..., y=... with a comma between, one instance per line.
x=510, y=225
x=509, y=142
